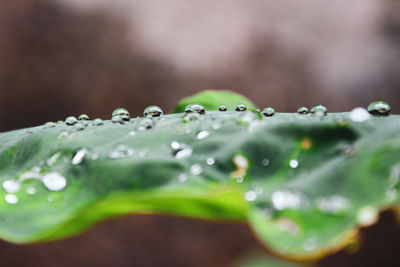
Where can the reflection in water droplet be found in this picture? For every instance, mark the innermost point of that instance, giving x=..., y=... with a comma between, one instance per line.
x=182, y=177
x=250, y=195
x=79, y=156
x=241, y=107
x=191, y=117
x=210, y=161
x=196, y=169
x=49, y=125
x=53, y=181
x=11, y=199
x=195, y=108
x=222, y=108
x=359, y=115
x=53, y=159
x=11, y=186
x=367, y=215
x=294, y=163
x=319, y=109
x=203, y=134
x=265, y=162
x=303, y=110
x=83, y=117
x=71, y=120
x=97, y=121
x=332, y=204
x=268, y=112
x=379, y=108
x=121, y=151
x=153, y=111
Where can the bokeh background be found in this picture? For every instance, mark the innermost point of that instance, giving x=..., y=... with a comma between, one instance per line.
x=66, y=57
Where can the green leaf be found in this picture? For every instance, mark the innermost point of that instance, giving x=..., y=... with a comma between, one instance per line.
x=304, y=183
x=212, y=99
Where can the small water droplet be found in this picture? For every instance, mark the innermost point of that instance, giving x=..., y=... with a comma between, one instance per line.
x=145, y=124
x=294, y=163
x=11, y=199
x=265, y=162
x=83, y=117
x=319, y=110
x=359, y=115
x=367, y=215
x=241, y=161
x=53, y=181
x=210, y=161
x=121, y=151
x=153, y=111
x=379, y=108
x=71, y=120
x=49, y=125
x=191, y=117
x=79, y=126
x=195, y=108
x=250, y=195
x=182, y=177
x=268, y=112
x=302, y=110
x=222, y=108
x=79, y=156
x=97, y=121
x=11, y=186
x=120, y=112
x=241, y=107
x=203, y=134
x=132, y=133
x=180, y=150
x=196, y=169
x=53, y=159
x=287, y=199
x=31, y=190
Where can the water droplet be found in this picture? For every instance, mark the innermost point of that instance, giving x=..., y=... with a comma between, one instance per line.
x=79, y=156
x=53, y=159
x=121, y=151
x=247, y=118
x=11, y=199
x=359, y=115
x=30, y=175
x=287, y=199
x=265, y=162
x=11, y=186
x=294, y=163
x=191, y=117
x=120, y=112
x=250, y=195
x=79, y=126
x=117, y=119
x=83, y=117
x=31, y=190
x=132, y=133
x=302, y=110
x=49, y=125
x=71, y=120
x=153, y=111
x=367, y=215
x=241, y=161
x=195, y=108
x=182, y=177
x=203, y=134
x=379, y=108
x=210, y=161
x=196, y=169
x=180, y=150
x=268, y=112
x=241, y=107
x=319, y=109
x=53, y=181
x=145, y=124
x=332, y=204
x=97, y=121
x=222, y=108
x=288, y=225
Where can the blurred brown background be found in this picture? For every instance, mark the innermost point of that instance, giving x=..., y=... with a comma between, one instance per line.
x=66, y=57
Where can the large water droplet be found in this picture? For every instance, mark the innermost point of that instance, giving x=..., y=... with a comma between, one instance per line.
x=11, y=186
x=180, y=150
x=11, y=199
x=195, y=108
x=71, y=120
x=83, y=117
x=379, y=108
x=203, y=134
x=302, y=110
x=120, y=112
x=241, y=107
x=319, y=109
x=359, y=115
x=121, y=151
x=153, y=111
x=79, y=156
x=222, y=108
x=53, y=181
x=117, y=119
x=120, y=115
x=268, y=112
